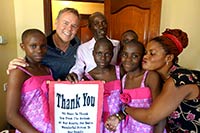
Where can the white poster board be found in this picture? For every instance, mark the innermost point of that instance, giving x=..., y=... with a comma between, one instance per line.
x=76, y=108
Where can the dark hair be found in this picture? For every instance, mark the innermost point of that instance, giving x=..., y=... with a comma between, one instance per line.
x=95, y=14
x=29, y=32
x=71, y=10
x=132, y=32
x=169, y=45
x=137, y=43
x=104, y=41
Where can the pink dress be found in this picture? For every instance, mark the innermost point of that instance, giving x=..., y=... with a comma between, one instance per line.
x=138, y=97
x=34, y=102
x=111, y=103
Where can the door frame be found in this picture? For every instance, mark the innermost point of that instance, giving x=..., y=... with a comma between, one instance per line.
x=48, y=13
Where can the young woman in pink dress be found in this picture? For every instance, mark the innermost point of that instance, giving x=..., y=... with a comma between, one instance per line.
x=27, y=94
x=140, y=87
x=103, y=52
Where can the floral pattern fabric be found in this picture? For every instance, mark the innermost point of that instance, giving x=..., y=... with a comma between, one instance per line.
x=186, y=118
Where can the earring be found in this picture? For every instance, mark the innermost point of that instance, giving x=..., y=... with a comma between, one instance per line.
x=167, y=63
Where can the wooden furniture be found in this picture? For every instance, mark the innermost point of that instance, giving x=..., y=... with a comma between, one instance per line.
x=142, y=16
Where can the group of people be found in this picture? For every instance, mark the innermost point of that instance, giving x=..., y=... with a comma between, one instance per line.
x=147, y=88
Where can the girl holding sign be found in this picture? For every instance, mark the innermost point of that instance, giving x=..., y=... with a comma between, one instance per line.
x=103, y=52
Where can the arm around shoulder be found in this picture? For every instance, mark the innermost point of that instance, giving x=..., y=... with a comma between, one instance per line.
x=16, y=62
x=164, y=104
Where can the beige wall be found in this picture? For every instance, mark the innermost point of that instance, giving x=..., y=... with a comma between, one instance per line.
x=18, y=15
x=28, y=14
x=7, y=51
x=15, y=17
x=184, y=14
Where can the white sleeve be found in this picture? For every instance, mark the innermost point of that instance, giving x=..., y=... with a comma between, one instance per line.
x=79, y=67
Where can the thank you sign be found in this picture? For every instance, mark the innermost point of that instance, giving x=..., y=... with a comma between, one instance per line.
x=76, y=108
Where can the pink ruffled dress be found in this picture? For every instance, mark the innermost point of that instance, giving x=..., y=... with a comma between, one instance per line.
x=136, y=97
x=111, y=103
x=34, y=102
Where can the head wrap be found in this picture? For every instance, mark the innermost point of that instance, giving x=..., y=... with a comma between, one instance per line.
x=176, y=41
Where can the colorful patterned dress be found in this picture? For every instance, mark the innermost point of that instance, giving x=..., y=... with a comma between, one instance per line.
x=186, y=118
x=111, y=103
x=137, y=97
x=34, y=102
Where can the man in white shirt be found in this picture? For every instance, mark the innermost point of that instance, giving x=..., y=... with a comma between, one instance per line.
x=97, y=23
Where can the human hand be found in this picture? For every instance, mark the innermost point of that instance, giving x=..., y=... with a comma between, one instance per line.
x=112, y=123
x=16, y=62
x=72, y=77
